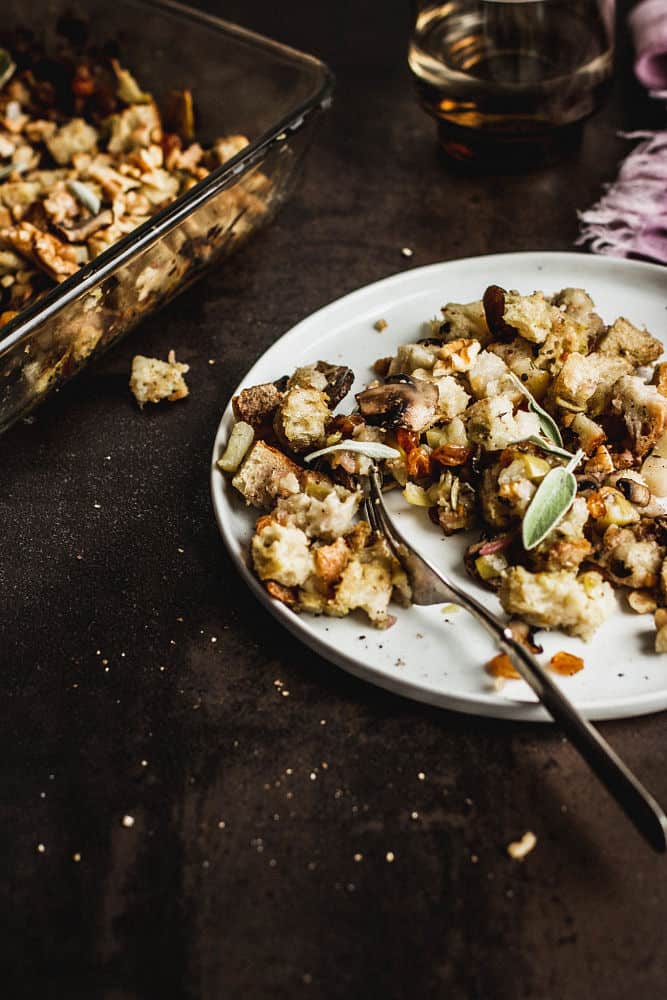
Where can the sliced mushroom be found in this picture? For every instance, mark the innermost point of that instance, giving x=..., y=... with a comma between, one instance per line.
x=339, y=381
x=400, y=402
x=637, y=493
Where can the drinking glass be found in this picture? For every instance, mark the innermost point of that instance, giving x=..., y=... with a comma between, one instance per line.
x=510, y=82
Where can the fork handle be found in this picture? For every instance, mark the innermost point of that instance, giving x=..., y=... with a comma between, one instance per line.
x=637, y=803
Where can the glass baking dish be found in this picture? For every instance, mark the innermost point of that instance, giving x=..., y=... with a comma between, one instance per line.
x=241, y=83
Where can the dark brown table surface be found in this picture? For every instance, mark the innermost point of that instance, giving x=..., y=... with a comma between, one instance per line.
x=141, y=679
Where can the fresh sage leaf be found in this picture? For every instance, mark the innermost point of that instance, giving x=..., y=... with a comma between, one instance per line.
x=371, y=449
x=547, y=423
x=549, y=446
x=554, y=497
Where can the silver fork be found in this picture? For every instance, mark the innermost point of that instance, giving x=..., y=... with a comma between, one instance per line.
x=431, y=586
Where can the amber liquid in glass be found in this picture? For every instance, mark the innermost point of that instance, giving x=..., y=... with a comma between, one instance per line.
x=510, y=83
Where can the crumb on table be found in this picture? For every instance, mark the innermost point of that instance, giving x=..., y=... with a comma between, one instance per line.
x=152, y=380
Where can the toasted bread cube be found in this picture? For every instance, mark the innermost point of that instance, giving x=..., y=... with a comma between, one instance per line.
x=257, y=404
x=488, y=376
x=628, y=341
x=265, y=474
x=643, y=409
x=590, y=434
x=608, y=369
x=325, y=513
x=577, y=604
x=331, y=560
x=630, y=561
x=301, y=418
x=152, y=380
x=281, y=553
x=575, y=383
x=464, y=320
x=452, y=399
x=492, y=423
x=367, y=582
x=410, y=357
x=577, y=303
x=532, y=316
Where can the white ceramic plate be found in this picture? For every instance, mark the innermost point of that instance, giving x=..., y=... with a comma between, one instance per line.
x=429, y=655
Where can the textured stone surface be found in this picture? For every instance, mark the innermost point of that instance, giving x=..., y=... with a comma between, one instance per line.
x=238, y=876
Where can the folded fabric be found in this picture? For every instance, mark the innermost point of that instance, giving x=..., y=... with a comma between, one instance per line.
x=648, y=23
x=630, y=220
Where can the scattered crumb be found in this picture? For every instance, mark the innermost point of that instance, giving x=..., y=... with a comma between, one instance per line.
x=128, y=821
x=421, y=776
x=358, y=857
x=407, y=251
x=76, y=857
x=41, y=849
x=450, y=609
x=380, y=325
x=519, y=849
x=390, y=856
x=152, y=380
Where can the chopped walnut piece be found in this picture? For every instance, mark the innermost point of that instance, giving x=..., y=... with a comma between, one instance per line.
x=566, y=664
x=519, y=849
x=456, y=356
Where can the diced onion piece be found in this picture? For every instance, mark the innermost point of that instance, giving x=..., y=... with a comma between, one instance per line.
x=491, y=566
x=654, y=471
x=240, y=440
x=417, y=496
x=436, y=436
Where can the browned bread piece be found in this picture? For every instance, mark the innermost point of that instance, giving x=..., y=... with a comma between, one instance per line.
x=257, y=405
x=265, y=474
x=628, y=341
x=643, y=409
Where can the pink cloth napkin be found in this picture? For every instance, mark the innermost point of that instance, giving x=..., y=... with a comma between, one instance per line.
x=630, y=220
x=648, y=23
